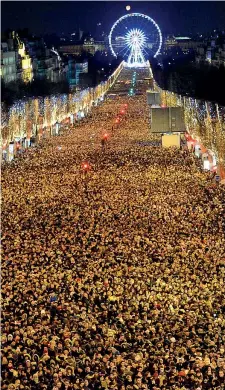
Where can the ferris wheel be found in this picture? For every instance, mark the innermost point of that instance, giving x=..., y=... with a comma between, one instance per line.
x=135, y=37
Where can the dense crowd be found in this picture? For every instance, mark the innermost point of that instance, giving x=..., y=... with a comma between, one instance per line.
x=142, y=81
x=112, y=278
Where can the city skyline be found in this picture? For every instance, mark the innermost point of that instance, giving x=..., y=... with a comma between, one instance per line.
x=98, y=16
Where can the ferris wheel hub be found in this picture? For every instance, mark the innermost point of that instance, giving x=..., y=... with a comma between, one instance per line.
x=135, y=40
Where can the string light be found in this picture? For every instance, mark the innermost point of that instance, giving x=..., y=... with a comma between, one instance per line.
x=24, y=116
x=204, y=121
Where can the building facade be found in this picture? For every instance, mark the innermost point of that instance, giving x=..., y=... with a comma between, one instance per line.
x=185, y=44
x=29, y=59
x=89, y=46
x=8, y=66
x=212, y=54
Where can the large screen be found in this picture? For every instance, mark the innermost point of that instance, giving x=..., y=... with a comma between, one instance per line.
x=169, y=119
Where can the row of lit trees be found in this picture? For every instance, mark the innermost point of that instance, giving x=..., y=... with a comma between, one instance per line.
x=205, y=128
x=208, y=129
x=26, y=118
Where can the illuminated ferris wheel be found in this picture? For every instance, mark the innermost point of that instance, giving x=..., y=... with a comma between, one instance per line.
x=135, y=37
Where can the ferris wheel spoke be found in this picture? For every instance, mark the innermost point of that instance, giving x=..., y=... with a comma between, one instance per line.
x=120, y=49
x=126, y=26
x=144, y=50
x=125, y=48
x=142, y=22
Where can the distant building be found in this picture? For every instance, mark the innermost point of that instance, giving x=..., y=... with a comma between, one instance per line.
x=209, y=55
x=89, y=46
x=58, y=69
x=33, y=60
x=81, y=68
x=184, y=43
x=15, y=60
x=71, y=73
x=8, y=65
x=43, y=68
x=74, y=71
x=76, y=50
x=47, y=63
x=25, y=63
x=212, y=54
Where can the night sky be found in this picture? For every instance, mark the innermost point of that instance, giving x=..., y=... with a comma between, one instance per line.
x=43, y=17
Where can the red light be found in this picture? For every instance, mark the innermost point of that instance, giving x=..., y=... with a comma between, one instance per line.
x=85, y=166
x=163, y=106
x=117, y=120
x=105, y=136
x=126, y=105
x=122, y=111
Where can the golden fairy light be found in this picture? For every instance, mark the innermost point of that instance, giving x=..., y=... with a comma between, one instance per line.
x=45, y=112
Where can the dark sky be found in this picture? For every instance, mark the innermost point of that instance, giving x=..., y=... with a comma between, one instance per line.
x=43, y=17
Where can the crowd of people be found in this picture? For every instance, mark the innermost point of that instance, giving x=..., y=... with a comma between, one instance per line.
x=112, y=277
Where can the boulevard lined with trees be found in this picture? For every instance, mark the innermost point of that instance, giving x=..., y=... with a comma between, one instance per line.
x=113, y=261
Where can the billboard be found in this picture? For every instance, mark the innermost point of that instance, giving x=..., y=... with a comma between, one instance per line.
x=169, y=140
x=169, y=119
x=153, y=97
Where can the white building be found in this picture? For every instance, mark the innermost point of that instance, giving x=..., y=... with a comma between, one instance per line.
x=81, y=67
x=8, y=66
